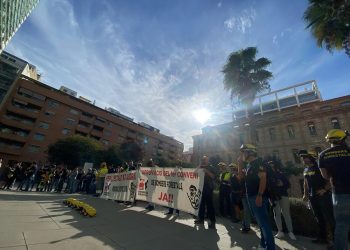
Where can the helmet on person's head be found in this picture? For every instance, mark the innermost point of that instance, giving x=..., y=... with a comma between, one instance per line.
x=305, y=153
x=233, y=165
x=250, y=148
x=222, y=164
x=336, y=135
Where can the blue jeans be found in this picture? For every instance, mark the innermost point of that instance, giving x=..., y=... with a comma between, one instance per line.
x=341, y=208
x=267, y=240
x=246, y=214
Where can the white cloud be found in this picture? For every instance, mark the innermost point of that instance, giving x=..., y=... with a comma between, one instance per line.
x=274, y=40
x=219, y=4
x=155, y=92
x=241, y=22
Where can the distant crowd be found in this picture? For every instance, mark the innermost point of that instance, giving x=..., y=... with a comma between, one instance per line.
x=51, y=178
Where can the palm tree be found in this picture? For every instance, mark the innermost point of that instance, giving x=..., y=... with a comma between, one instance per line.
x=245, y=77
x=329, y=21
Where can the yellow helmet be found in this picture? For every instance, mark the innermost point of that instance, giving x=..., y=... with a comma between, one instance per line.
x=222, y=164
x=310, y=153
x=335, y=135
x=248, y=147
x=233, y=165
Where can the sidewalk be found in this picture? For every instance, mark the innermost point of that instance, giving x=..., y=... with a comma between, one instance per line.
x=34, y=221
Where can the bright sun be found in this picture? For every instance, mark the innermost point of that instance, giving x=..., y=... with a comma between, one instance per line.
x=202, y=115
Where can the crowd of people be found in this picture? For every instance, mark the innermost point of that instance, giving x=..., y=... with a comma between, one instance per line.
x=52, y=178
x=246, y=188
x=252, y=186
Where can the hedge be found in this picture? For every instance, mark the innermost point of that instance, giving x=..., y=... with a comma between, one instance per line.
x=303, y=219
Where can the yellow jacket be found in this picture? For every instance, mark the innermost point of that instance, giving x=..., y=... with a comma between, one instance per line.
x=102, y=172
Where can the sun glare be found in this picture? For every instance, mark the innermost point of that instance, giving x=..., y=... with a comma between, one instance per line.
x=202, y=115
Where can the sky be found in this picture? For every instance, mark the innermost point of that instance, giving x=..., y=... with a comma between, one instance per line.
x=158, y=61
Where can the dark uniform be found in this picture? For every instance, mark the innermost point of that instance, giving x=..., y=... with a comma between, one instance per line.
x=225, y=194
x=336, y=160
x=321, y=204
x=252, y=182
x=207, y=196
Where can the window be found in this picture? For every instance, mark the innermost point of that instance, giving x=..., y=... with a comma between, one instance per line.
x=107, y=133
x=105, y=142
x=74, y=111
x=312, y=128
x=97, y=128
x=39, y=137
x=241, y=138
x=257, y=135
x=43, y=125
x=335, y=123
x=29, y=94
x=272, y=133
x=327, y=107
x=49, y=113
x=276, y=154
x=346, y=103
x=53, y=104
x=66, y=131
x=291, y=133
x=70, y=121
x=296, y=155
x=87, y=114
x=33, y=148
x=110, y=125
x=84, y=124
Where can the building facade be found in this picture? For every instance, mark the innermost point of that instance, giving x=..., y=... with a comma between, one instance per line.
x=12, y=14
x=283, y=126
x=34, y=115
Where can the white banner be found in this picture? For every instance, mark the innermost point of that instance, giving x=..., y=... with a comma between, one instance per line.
x=120, y=186
x=179, y=188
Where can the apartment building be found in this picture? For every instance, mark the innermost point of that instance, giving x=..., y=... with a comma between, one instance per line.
x=12, y=14
x=286, y=121
x=34, y=115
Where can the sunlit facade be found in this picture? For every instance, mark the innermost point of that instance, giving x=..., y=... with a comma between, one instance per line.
x=12, y=14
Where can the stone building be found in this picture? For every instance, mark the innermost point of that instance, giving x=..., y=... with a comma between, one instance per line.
x=283, y=126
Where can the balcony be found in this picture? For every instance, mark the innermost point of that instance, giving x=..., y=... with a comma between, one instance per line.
x=13, y=137
x=10, y=150
x=83, y=129
x=29, y=100
x=96, y=133
x=86, y=119
x=23, y=111
x=16, y=123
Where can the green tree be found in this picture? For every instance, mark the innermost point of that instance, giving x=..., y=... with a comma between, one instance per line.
x=245, y=77
x=329, y=21
x=110, y=155
x=131, y=151
x=73, y=151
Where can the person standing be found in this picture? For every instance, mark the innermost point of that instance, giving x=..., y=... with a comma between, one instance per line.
x=100, y=177
x=225, y=191
x=317, y=192
x=207, y=194
x=236, y=195
x=334, y=164
x=255, y=182
x=280, y=202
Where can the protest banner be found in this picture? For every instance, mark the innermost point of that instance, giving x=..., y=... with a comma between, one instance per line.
x=120, y=186
x=179, y=188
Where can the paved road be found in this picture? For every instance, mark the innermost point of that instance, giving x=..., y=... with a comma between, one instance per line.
x=40, y=221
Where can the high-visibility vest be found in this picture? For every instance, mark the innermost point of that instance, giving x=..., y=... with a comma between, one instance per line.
x=225, y=177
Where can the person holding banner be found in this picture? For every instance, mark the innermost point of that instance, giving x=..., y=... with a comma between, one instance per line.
x=207, y=195
x=150, y=163
x=101, y=173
